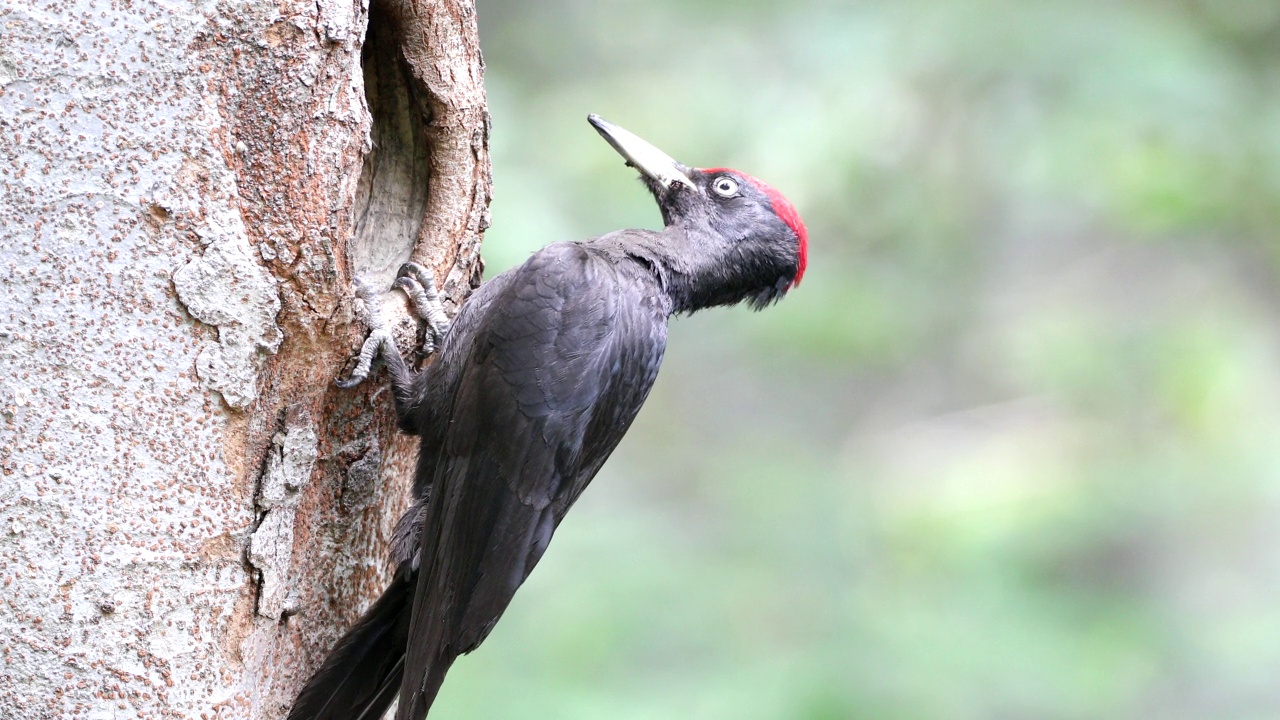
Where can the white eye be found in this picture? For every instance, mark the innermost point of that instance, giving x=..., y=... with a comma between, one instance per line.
x=724, y=186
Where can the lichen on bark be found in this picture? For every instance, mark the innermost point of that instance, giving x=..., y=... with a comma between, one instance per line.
x=177, y=208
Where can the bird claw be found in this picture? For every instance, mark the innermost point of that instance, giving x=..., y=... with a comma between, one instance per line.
x=419, y=284
x=364, y=361
x=371, y=314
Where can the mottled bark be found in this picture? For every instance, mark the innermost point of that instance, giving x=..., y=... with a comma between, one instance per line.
x=189, y=510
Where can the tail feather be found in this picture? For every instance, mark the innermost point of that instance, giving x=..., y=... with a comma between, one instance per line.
x=378, y=704
x=362, y=674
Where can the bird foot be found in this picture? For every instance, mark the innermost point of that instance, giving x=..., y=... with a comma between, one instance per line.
x=419, y=284
x=378, y=335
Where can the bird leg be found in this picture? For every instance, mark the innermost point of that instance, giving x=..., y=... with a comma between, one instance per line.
x=419, y=284
x=379, y=336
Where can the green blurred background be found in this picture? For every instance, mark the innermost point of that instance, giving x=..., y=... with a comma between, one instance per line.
x=1012, y=450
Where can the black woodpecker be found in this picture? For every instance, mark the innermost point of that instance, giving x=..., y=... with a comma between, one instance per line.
x=534, y=383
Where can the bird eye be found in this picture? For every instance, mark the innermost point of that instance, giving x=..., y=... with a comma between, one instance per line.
x=724, y=186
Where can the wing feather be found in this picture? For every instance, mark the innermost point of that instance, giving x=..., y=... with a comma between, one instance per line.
x=558, y=366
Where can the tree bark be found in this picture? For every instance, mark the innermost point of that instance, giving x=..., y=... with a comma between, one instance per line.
x=190, y=511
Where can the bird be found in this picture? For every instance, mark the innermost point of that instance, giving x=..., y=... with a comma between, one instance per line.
x=532, y=386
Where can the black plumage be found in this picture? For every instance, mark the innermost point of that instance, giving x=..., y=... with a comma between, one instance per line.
x=541, y=374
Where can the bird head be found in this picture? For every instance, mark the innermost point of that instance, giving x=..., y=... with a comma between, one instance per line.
x=744, y=240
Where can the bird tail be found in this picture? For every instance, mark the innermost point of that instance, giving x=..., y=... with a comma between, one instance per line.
x=361, y=676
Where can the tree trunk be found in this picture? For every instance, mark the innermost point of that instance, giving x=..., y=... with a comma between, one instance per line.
x=190, y=511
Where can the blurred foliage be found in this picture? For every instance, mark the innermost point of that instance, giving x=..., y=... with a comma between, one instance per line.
x=1012, y=450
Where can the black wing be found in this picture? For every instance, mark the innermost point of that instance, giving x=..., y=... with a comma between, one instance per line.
x=554, y=374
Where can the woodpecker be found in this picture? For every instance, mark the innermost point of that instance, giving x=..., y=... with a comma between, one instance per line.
x=534, y=383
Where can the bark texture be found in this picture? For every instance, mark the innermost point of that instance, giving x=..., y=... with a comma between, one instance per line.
x=190, y=512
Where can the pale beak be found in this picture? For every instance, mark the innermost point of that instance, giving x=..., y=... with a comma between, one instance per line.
x=649, y=160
